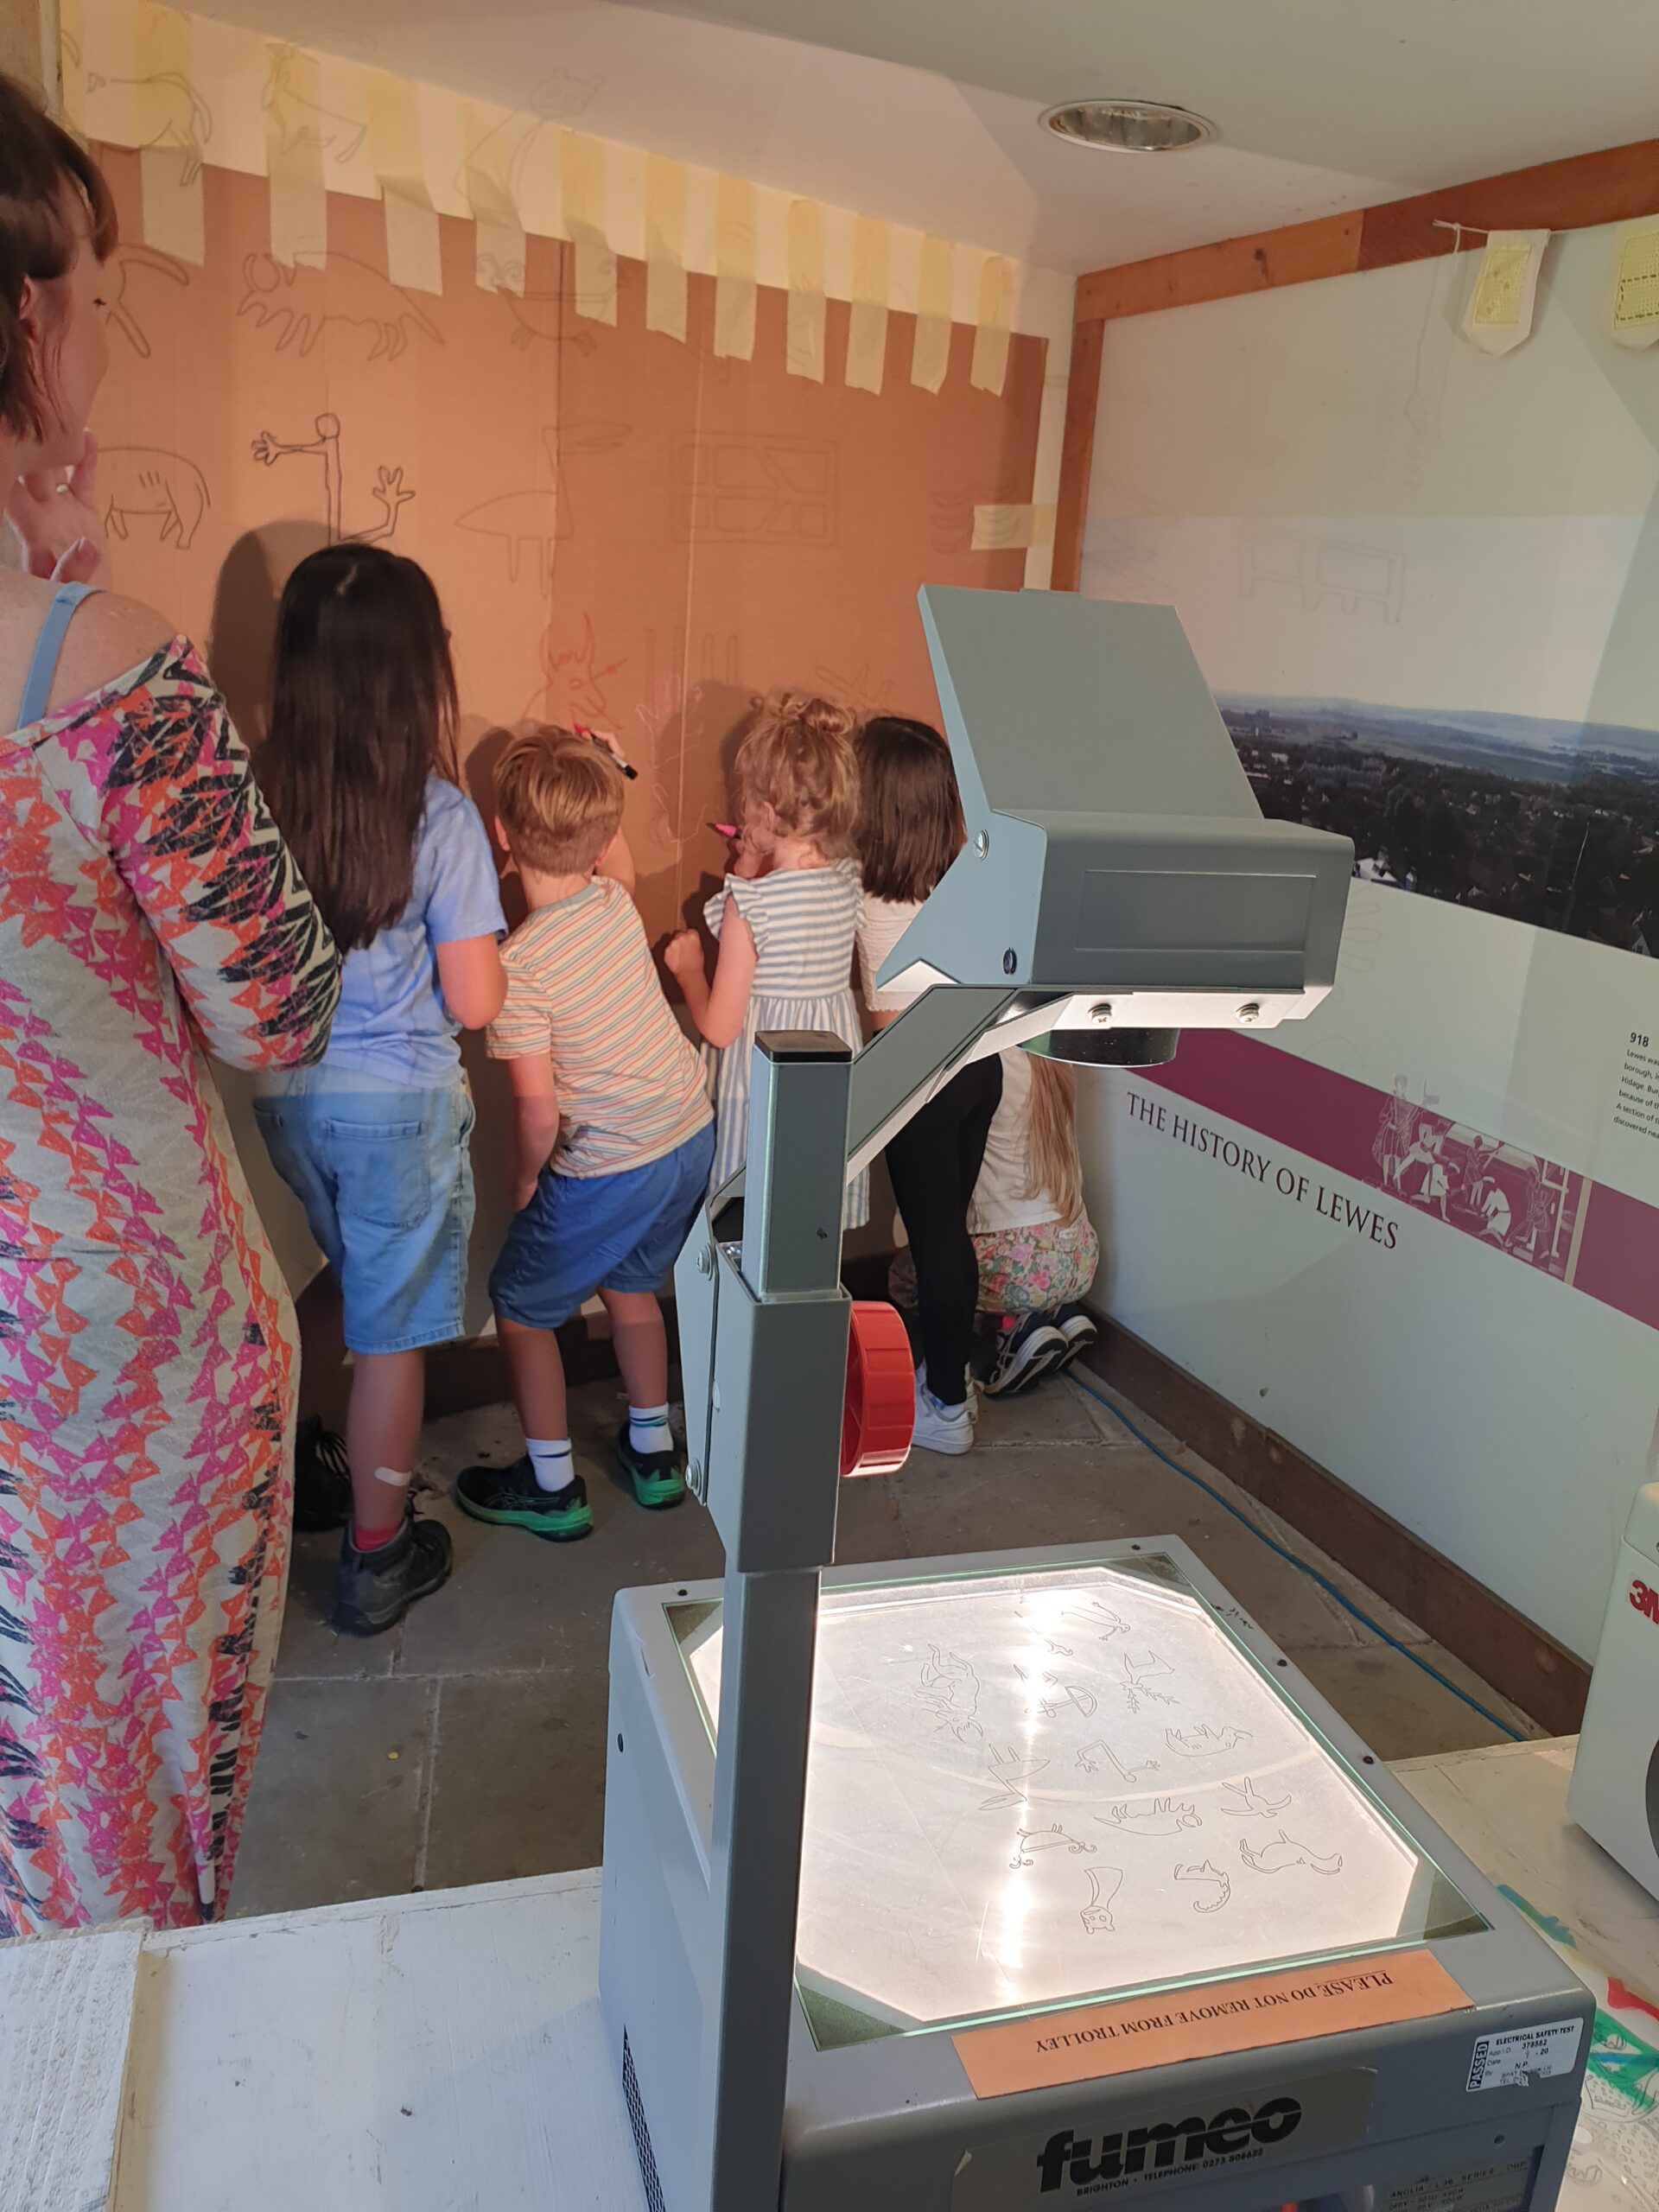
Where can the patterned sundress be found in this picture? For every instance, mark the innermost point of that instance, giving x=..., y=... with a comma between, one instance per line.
x=804, y=922
x=147, y=1349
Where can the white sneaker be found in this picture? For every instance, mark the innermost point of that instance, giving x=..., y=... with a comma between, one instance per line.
x=949, y=1429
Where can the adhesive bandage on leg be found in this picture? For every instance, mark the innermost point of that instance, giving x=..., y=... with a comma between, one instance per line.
x=393, y=1480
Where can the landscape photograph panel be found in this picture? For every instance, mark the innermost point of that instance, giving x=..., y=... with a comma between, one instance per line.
x=1550, y=821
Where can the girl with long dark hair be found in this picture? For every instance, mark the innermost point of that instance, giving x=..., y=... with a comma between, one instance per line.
x=359, y=768
x=910, y=830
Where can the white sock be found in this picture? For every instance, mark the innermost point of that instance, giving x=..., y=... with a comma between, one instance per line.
x=648, y=1429
x=552, y=1461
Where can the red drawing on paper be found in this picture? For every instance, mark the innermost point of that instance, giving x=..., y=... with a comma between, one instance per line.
x=576, y=676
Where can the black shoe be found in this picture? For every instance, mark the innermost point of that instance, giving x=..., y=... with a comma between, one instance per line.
x=374, y=1590
x=323, y=1477
x=511, y=1497
x=656, y=1476
x=1080, y=1332
x=1026, y=1357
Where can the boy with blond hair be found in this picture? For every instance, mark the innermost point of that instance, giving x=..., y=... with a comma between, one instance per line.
x=614, y=1134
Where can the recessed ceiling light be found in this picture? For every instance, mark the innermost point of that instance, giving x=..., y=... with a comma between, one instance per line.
x=1128, y=126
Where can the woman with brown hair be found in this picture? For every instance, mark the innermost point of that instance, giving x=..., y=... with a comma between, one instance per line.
x=149, y=913
x=910, y=830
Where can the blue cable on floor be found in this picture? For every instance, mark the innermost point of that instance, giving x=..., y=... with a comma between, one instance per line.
x=1301, y=1566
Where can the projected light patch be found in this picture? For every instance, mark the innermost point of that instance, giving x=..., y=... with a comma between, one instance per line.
x=1028, y=1788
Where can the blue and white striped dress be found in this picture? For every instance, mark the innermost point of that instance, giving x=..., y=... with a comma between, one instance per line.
x=804, y=922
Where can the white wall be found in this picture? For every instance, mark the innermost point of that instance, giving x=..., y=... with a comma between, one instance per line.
x=1487, y=529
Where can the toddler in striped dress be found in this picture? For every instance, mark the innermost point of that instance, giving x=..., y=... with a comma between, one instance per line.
x=787, y=916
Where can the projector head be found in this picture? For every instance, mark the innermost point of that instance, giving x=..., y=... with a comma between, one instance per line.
x=1116, y=857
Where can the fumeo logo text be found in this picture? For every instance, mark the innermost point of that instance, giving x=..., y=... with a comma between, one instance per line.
x=1227, y=2135
x=1645, y=1600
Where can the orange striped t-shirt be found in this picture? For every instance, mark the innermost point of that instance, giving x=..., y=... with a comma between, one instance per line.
x=582, y=987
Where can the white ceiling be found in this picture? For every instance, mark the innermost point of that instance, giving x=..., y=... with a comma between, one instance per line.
x=925, y=111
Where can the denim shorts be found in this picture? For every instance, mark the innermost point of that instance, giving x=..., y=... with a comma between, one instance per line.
x=385, y=1177
x=583, y=1233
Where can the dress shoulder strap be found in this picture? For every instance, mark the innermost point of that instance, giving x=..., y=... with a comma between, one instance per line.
x=48, y=644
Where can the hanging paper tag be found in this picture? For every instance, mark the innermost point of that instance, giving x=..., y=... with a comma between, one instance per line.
x=1634, y=317
x=1499, y=315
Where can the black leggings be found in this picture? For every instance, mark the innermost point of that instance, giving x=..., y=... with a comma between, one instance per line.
x=934, y=1164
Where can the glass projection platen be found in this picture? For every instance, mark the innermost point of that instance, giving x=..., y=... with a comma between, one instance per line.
x=1029, y=1788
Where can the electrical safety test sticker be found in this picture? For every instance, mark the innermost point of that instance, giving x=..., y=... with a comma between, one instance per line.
x=1511, y=2061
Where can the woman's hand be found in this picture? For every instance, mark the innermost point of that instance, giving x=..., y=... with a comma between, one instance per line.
x=57, y=525
x=682, y=955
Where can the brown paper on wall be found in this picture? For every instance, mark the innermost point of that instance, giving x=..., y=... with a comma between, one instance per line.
x=804, y=337
x=704, y=537
x=735, y=270
x=71, y=65
x=867, y=321
x=990, y=364
x=665, y=286
x=299, y=202
x=498, y=245
x=414, y=261
x=930, y=357
x=582, y=176
x=173, y=126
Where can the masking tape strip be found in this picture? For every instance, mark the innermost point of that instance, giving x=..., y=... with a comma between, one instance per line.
x=299, y=202
x=173, y=126
x=866, y=318
x=1006, y=528
x=582, y=172
x=735, y=217
x=414, y=255
x=665, y=287
x=109, y=71
x=990, y=362
x=930, y=358
x=71, y=65
x=498, y=244
x=803, y=328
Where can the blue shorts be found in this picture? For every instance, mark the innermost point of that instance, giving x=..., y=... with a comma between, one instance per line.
x=385, y=1177
x=583, y=1233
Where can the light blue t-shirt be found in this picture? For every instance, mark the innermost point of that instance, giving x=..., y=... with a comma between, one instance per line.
x=391, y=1023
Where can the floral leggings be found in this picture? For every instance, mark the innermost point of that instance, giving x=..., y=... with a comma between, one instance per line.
x=1031, y=1270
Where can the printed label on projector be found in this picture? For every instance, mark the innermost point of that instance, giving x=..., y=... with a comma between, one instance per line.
x=1511, y=2061
x=1502, y=2187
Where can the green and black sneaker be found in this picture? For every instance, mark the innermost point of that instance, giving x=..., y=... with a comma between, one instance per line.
x=656, y=1476
x=512, y=1498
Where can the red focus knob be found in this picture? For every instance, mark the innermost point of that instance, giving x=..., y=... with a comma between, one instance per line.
x=881, y=1405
